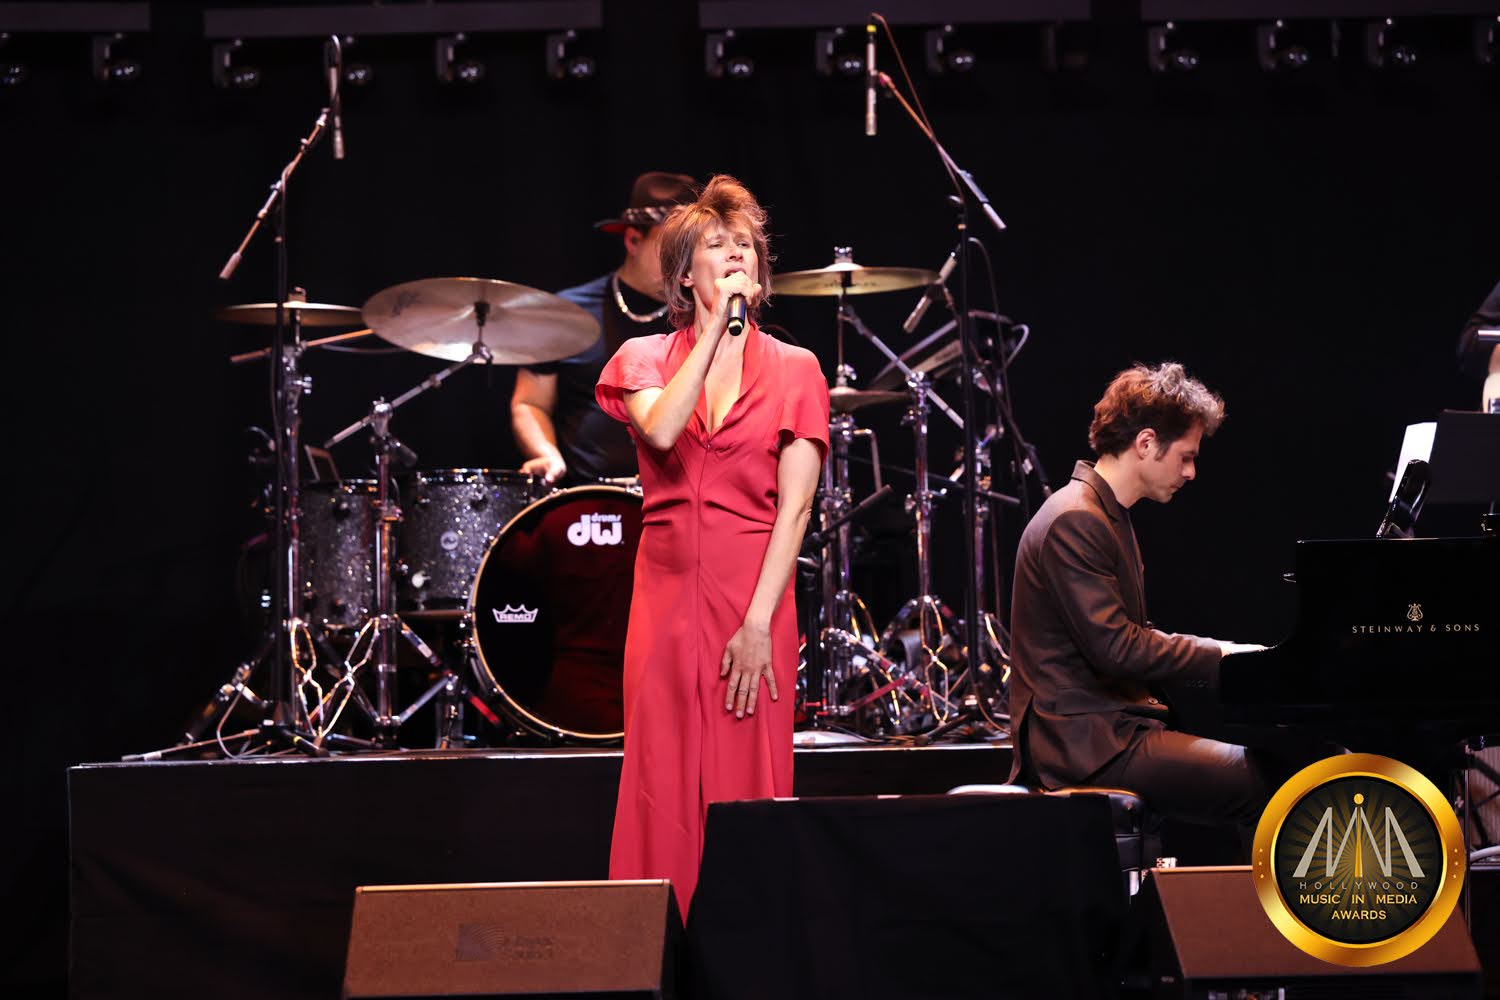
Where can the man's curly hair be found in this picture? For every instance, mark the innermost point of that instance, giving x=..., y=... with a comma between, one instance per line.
x=1164, y=398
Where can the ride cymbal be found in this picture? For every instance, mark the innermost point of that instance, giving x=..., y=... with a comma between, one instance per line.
x=442, y=318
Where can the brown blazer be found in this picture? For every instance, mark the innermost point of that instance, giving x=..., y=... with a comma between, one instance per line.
x=1082, y=650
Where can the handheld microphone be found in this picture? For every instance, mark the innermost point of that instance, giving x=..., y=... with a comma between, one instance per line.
x=333, y=62
x=930, y=296
x=736, y=325
x=870, y=79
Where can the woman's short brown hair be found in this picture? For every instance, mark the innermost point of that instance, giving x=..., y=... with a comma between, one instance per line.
x=1165, y=399
x=724, y=202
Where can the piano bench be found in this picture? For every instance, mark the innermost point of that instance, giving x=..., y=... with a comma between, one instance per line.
x=1137, y=833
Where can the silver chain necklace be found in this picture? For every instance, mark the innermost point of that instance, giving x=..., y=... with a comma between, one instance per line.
x=614, y=283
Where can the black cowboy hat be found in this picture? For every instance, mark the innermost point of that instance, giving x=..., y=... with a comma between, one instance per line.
x=652, y=196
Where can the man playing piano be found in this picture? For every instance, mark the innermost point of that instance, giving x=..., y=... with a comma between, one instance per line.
x=1084, y=656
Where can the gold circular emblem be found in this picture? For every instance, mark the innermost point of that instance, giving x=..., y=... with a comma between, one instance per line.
x=1358, y=860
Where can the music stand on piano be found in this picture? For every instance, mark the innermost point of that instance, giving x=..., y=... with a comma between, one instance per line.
x=1465, y=458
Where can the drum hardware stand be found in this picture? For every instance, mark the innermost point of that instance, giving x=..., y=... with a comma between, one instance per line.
x=844, y=612
x=845, y=622
x=976, y=679
x=924, y=614
x=385, y=626
x=934, y=626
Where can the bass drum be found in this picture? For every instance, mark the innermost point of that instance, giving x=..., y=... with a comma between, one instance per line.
x=550, y=606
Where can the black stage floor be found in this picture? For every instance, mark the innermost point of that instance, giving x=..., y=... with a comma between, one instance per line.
x=235, y=879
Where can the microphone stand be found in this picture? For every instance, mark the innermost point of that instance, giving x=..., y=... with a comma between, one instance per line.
x=285, y=725
x=971, y=711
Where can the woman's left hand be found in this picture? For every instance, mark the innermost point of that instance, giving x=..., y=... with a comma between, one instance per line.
x=746, y=659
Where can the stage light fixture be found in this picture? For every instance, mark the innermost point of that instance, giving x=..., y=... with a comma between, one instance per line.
x=1282, y=46
x=229, y=69
x=452, y=66
x=1389, y=45
x=562, y=63
x=1167, y=50
x=1487, y=40
x=1064, y=47
x=720, y=59
x=835, y=51
x=359, y=74
x=944, y=55
x=108, y=65
x=13, y=72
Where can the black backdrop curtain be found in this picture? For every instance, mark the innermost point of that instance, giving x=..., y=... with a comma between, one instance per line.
x=1308, y=246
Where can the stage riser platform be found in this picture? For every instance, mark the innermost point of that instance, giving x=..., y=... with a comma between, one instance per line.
x=235, y=879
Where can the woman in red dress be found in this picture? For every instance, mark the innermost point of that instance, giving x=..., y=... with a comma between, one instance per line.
x=731, y=432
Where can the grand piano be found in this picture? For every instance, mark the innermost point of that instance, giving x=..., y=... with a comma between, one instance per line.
x=1396, y=646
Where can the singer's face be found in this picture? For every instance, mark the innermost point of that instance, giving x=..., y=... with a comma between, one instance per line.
x=722, y=251
x=1169, y=469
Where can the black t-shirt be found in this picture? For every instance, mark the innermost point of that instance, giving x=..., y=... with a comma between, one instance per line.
x=594, y=445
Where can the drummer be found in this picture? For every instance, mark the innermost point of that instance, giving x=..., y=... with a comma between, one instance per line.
x=564, y=436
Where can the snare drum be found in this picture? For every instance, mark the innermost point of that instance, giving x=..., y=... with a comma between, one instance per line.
x=336, y=534
x=550, y=606
x=449, y=517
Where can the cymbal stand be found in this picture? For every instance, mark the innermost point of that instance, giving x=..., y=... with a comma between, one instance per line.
x=377, y=637
x=845, y=648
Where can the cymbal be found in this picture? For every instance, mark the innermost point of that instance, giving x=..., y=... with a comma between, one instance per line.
x=439, y=317
x=845, y=399
x=312, y=313
x=851, y=279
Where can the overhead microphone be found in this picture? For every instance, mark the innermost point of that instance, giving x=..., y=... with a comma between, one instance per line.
x=333, y=63
x=736, y=325
x=870, y=78
x=930, y=296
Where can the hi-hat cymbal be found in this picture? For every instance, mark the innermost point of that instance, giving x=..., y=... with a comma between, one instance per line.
x=845, y=399
x=312, y=313
x=440, y=317
x=848, y=278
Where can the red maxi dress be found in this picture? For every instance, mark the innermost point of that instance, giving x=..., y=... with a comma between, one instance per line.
x=708, y=507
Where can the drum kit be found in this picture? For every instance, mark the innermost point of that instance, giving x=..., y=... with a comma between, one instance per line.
x=528, y=589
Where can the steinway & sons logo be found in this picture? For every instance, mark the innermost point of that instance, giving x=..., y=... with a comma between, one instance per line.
x=1358, y=860
x=1414, y=624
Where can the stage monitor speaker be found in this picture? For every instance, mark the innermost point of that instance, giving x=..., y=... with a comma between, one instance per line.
x=547, y=939
x=1201, y=933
